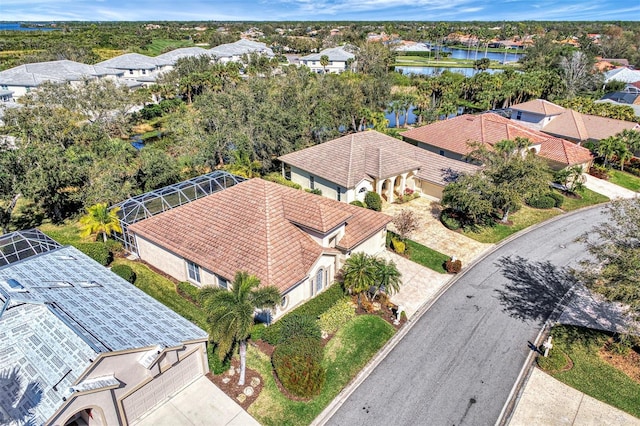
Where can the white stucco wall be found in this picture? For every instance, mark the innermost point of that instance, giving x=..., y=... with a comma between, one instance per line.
x=132, y=375
x=358, y=194
x=328, y=188
x=374, y=244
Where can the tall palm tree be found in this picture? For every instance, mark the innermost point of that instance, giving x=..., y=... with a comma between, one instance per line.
x=324, y=61
x=230, y=314
x=359, y=274
x=100, y=220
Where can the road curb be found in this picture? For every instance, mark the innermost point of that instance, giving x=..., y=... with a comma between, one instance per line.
x=339, y=400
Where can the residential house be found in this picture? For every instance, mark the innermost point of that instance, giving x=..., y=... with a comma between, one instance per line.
x=454, y=138
x=339, y=60
x=288, y=238
x=566, y=123
x=18, y=81
x=623, y=74
x=233, y=52
x=136, y=66
x=79, y=345
x=345, y=169
x=173, y=56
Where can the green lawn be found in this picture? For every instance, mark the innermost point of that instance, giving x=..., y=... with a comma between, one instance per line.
x=345, y=355
x=67, y=233
x=589, y=198
x=625, y=180
x=164, y=291
x=590, y=374
x=159, y=46
x=423, y=255
x=423, y=61
x=521, y=219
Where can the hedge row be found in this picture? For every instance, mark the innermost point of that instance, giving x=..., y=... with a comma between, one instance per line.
x=298, y=365
x=313, y=308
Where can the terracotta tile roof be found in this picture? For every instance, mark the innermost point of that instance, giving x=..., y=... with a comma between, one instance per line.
x=564, y=152
x=574, y=125
x=372, y=155
x=456, y=134
x=250, y=227
x=539, y=106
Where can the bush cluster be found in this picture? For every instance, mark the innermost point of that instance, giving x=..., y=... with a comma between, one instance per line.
x=190, y=290
x=278, y=178
x=97, y=251
x=541, y=202
x=336, y=316
x=449, y=221
x=299, y=326
x=557, y=198
x=373, y=201
x=453, y=266
x=600, y=172
x=357, y=203
x=315, y=191
x=298, y=365
x=313, y=308
x=398, y=246
x=125, y=272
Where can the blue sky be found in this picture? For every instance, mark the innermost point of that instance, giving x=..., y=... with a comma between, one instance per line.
x=319, y=10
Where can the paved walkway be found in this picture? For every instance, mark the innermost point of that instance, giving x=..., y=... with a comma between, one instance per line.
x=434, y=234
x=547, y=401
x=609, y=189
x=200, y=403
x=419, y=284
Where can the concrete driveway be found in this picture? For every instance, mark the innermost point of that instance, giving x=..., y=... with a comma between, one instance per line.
x=433, y=234
x=200, y=404
x=419, y=284
x=609, y=189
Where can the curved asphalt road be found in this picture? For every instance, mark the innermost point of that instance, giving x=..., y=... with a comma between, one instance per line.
x=460, y=360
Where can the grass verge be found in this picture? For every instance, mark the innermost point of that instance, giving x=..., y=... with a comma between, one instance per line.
x=521, y=219
x=592, y=375
x=589, y=198
x=625, y=180
x=344, y=356
x=422, y=255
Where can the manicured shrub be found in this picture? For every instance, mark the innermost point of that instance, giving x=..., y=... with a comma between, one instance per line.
x=557, y=198
x=215, y=365
x=125, y=272
x=357, y=203
x=337, y=316
x=398, y=246
x=453, y=266
x=373, y=201
x=257, y=330
x=191, y=291
x=298, y=365
x=278, y=178
x=96, y=251
x=299, y=326
x=449, y=221
x=313, y=308
x=314, y=191
x=541, y=202
x=115, y=247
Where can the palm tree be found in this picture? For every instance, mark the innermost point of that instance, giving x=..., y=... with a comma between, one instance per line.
x=100, y=220
x=324, y=61
x=359, y=274
x=230, y=314
x=387, y=277
x=607, y=148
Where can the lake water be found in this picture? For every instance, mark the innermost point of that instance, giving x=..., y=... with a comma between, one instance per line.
x=467, y=72
x=471, y=54
x=15, y=26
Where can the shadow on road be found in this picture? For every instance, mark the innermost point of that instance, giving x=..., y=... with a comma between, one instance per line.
x=534, y=288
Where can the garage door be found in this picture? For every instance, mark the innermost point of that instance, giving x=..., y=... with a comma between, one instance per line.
x=166, y=384
x=431, y=189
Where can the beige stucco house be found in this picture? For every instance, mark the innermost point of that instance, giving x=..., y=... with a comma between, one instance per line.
x=339, y=60
x=344, y=169
x=82, y=346
x=566, y=123
x=454, y=138
x=288, y=238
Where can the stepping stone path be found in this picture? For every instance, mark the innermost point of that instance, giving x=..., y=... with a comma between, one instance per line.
x=241, y=398
x=226, y=380
x=248, y=391
x=255, y=382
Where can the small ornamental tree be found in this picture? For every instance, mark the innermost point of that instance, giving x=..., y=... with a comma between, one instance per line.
x=406, y=222
x=373, y=201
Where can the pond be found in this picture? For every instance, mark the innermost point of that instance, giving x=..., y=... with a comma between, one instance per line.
x=467, y=72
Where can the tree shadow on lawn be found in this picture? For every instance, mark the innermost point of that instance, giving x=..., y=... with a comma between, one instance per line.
x=534, y=288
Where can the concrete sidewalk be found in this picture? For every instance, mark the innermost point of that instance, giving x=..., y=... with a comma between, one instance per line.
x=609, y=189
x=547, y=401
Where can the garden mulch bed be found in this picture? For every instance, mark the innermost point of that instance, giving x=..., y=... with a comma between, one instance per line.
x=629, y=363
x=387, y=311
x=231, y=387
